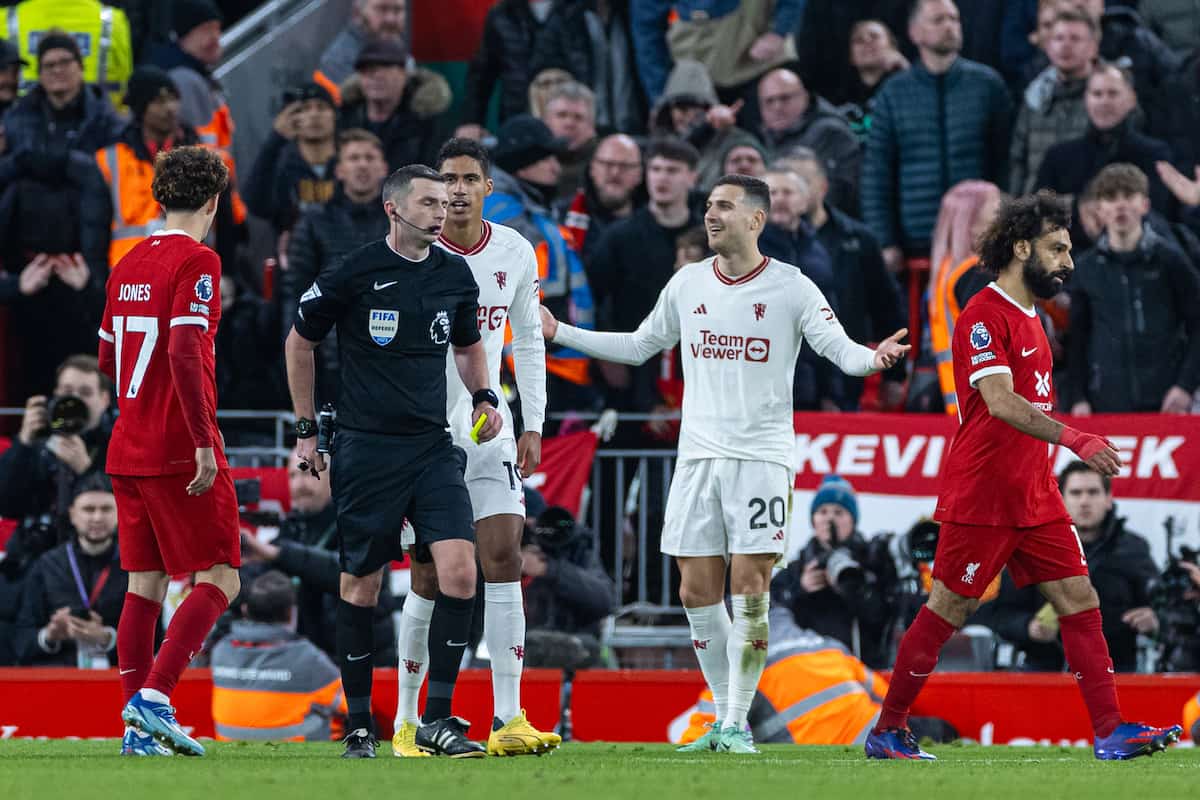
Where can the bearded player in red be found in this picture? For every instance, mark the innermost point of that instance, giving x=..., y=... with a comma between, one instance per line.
x=176, y=505
x=999, y=503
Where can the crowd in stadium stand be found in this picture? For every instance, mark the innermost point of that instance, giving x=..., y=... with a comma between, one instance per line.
x=888, y=132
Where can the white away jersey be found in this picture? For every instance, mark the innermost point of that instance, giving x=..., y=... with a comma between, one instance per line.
x=505, y=267
x=739, y=341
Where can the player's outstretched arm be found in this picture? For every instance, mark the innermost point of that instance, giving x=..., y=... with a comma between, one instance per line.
x=1009, y=407
x=659, y=331
x=302, y=377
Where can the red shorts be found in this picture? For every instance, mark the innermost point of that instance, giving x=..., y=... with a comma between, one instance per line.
x=162, y=528
x=968, y=557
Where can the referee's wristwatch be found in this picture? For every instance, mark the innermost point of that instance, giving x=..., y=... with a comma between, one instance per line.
x=485, y=396
x=305, y=428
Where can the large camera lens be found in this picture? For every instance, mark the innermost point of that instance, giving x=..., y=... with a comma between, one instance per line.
x=68, y=414
x=842, y=568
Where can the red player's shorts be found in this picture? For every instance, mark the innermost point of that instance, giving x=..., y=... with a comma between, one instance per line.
x=969, y=556
x=162, y=528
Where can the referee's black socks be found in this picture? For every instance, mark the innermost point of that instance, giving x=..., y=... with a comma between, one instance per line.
x=355, y=649
x=449, y=630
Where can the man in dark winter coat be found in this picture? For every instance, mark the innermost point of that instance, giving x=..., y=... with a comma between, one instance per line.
x=323, y=235
x=1120, y=567
x=512, y=34
x=792, y=116
x=1135, y=311
x=823, y=43
x=307, y=549
x=388, y=106
x=73, y=594
x=1110, y=138
x=591, y=41
x=942, y=121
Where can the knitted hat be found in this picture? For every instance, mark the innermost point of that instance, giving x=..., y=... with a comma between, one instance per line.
x=382, y=53
x=836, y=489
x=186, y=15
x=145, y=85
x=523, y=140
x=58, y=40
x=10, y=55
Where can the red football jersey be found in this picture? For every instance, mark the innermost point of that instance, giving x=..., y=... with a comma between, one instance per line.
x=166, y=281
x=994, y=474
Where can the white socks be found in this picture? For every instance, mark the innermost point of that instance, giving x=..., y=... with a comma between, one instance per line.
x=747, y=654
x=412, y=641
x=710, y=634
x=504, y=633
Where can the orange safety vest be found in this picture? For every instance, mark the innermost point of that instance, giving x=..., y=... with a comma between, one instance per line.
x=217, y=134
x=574, y=369
x=943, y=314
x=247, y=714
x=818, y=695
x=136, y=214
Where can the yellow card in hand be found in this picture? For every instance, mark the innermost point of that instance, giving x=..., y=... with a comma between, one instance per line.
x=479, y=423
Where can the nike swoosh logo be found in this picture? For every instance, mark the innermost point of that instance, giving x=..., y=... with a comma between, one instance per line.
x=1026, y=353
x=455, y=644
x=357, y=658
x=379, y=285
x=126, y=671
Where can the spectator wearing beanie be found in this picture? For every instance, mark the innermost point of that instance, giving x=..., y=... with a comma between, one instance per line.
x=823, y=589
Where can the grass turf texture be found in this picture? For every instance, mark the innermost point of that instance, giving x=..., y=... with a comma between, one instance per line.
x=32, y=770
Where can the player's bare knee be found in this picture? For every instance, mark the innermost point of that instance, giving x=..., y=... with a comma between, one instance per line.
x=424, y=580
x=501, y=566
x=700, y=596
x=1071, y=595
x=224, y=577
x=457, y=578
x=150, y=585
x=950, y=606
x=361, y=590
x=498, y=539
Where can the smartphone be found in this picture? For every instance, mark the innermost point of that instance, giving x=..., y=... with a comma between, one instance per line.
x=79, y=612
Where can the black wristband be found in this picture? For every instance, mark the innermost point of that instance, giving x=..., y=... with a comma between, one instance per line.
x=485, y=396
x=305, y=428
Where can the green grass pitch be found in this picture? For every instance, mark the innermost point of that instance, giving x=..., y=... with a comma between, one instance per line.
x=39, y=770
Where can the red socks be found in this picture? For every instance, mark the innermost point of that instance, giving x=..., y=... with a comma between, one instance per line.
x=915, y=662
x=1087, y=654
x=135, y=641
x=185, y=636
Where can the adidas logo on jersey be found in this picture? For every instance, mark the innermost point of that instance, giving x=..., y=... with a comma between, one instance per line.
x=700, y=309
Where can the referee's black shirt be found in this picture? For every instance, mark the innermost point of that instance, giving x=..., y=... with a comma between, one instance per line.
x=395, y=319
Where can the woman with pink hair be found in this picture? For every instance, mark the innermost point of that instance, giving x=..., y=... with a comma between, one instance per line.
x=967, y=210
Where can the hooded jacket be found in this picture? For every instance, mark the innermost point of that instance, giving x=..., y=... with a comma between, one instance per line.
x=1135, y=326
x=690, y=83
x=282, y=185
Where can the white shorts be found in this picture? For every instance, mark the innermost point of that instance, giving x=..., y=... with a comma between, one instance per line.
x=721, y=506
x=493, y=480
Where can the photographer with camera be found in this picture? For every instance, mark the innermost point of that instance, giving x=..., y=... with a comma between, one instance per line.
x=839, y=584
x=1176, y=598
x=62, y=438
x=72, y=597
x=1120, y=569
x=306, y=550
x=567, y=593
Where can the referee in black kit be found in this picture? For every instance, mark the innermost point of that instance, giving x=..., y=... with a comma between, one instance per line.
x=398, y=304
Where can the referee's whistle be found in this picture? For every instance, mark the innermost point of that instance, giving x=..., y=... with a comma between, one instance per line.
x=479, y=423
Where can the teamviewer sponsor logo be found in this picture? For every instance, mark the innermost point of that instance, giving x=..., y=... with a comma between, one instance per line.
x=730, y=347
x=758, y=349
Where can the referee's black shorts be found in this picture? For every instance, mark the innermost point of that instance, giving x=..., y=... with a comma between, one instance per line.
x=378, y=481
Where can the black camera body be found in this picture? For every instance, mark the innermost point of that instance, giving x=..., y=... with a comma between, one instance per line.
x=1178, y=615
x=66, y=414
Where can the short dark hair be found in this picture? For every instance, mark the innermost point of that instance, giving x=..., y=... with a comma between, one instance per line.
x=185, y=178
x=1073, y=14
x=270, y=598
x=757, y=191
x=1079, y=467
x=399, y=183
x=803, y=154
x=1021, y=219
x=359, y=136
x=694, y=236
x=93, y=481
x=1120, y=66
x=673, y=149
x=915, y=9
x=460, y=147
x=84, y=363
x=1119, y=180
